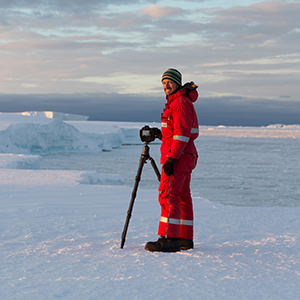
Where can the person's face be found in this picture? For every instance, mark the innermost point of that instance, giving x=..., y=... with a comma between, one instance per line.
x=169, y=86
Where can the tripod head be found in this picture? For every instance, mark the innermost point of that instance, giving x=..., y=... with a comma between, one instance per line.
x=146, y=151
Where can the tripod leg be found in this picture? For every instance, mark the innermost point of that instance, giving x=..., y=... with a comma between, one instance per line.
x=153, y=164
x=133, y=196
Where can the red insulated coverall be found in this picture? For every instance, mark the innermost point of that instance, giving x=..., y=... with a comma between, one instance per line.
x=179, y=126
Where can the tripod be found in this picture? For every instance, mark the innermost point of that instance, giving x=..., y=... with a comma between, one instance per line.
x=144, y=157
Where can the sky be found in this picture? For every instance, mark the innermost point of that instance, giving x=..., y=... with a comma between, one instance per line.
x=105, y=58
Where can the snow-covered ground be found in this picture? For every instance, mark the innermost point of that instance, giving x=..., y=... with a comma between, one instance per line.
x=65, y=188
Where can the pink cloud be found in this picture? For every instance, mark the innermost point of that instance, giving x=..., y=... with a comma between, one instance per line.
x=157, y=11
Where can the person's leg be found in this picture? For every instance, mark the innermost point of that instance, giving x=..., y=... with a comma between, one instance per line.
x=169, y=200
x=187, y=215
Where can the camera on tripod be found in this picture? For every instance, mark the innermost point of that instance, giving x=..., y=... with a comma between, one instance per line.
x=148, y=134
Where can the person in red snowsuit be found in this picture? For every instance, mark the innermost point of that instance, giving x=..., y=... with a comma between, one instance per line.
x=179, y=129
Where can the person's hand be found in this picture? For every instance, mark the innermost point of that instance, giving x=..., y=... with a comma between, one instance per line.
x=157, y=132
x=169, y=166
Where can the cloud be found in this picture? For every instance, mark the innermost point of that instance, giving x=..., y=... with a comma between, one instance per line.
x=77, y=6
x=98, y=106
x=119, y=47
x=270, y=19
x=226, y=110
x=157, y=11
x=240, y=111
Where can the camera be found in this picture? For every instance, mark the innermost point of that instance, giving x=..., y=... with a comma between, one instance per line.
x=147, y=134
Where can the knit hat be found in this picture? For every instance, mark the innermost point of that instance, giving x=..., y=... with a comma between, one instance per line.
x=173, y=75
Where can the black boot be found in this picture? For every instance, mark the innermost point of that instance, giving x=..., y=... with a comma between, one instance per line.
x=186, y=244
x=164, y=245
